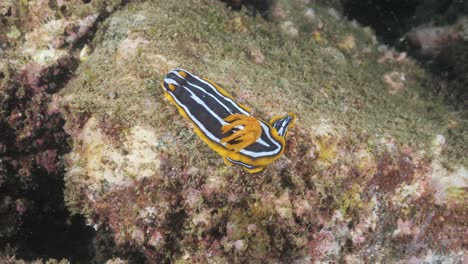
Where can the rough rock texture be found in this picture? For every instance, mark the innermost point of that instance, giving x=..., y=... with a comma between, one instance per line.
x=433, y=31
x=38, y=41
x=373, y=170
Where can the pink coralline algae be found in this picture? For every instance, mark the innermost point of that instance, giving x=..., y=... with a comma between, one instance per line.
x=356, y=184
x=31, y=140
x=431, y=40
x=48, y=160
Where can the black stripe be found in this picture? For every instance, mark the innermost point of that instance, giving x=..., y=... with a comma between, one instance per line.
x=198, y=111
x=257, y=147
x=282, y=123
x=227, y=108
x=184, y=92
x=209, y=89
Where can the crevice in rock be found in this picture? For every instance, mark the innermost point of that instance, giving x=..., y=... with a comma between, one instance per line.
x=35, y=222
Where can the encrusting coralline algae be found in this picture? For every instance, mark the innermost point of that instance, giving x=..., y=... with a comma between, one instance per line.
x=354, y=183
x=365, y=175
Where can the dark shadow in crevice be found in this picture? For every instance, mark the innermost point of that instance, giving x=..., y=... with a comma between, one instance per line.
x=31, y=174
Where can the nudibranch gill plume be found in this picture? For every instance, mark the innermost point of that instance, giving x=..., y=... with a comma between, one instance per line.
x=226, y=125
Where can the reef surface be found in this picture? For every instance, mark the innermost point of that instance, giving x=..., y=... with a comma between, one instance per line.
x=374, y=170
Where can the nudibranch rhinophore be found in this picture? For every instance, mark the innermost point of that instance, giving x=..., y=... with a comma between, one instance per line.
x=226, y=125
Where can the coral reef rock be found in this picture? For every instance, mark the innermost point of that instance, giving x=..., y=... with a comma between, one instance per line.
x=365, y=176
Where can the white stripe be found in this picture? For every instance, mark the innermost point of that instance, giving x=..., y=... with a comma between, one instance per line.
x=245, y=152
x=284, y=124
x=217, y=92
x=212, y=96
x=200, y=102
x=282, y=127
x=215, y=139
x=197, y=99
x=262, y=142
x=241, y=163
x=170, y=81
x=263, y=153
x=207, y=133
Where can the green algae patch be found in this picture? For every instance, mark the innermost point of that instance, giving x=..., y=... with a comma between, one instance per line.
x=137, y=168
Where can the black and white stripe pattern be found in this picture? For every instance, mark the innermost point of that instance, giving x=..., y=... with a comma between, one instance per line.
x=282, y=125
x=207, y=106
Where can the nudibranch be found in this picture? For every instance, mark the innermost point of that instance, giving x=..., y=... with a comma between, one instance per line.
x=226, y=125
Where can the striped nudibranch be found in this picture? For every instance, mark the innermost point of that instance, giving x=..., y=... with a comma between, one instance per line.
x=226, y=125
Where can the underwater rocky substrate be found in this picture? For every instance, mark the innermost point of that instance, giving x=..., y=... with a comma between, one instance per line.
x=431, y=32
x=35, y=222
x=194, y=208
